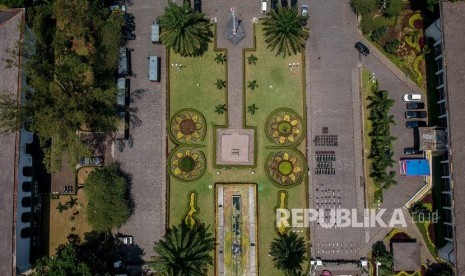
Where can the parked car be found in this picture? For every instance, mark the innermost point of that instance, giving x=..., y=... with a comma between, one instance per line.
x=125, y=239
x=197, y=6
x=128, y=16
x=413, y=124
x=412, y=97
x=412, y=151
x=264, y=6
x=415, y=114
x=128, y=36
x=274, y=5
x=362, y=48
x=304, y=10
x=91, y=161
x=284, y=3
x=129, y=28
x=294, y=4
x=415, y=105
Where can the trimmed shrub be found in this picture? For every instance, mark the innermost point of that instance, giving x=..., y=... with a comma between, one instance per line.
x=379, y=33
x=366, y=24
x=363, y=7
x=392, y=46
x=394, y=8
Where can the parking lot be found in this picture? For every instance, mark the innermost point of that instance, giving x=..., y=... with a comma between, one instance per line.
x=334, y=110
x=143, y=156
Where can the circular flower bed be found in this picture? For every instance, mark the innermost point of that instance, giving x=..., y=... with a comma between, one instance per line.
x=188, y=126
x=187, y=163
x=284, y=127
x=285, y=167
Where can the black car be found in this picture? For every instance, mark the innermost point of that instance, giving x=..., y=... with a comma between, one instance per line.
x=294, y=4
x=415, y=114
x=415, y=105
x=284, y=3
x=128, y=16
x=362, y=48
x=197, y=6
x=128, y=36
x=129, y=28
x=274, y=5
x=411, y=151
x=413, y=124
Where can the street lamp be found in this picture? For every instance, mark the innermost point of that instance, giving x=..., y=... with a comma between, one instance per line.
x=377, y=266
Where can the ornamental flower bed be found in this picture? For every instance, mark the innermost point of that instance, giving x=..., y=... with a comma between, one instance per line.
x=187, y=163
x=284, y=127
x=285, y=168
x=188, y=126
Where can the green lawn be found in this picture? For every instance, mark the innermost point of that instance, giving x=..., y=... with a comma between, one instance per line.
x=286, y=90
x=369, y=184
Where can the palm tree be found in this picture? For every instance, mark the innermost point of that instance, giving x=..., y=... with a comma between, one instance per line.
x=220, y=109
x=71, y=202
x=220, y=84
x=388, y=179
x=220, y=58
x=251, y=109
x=288, y=252
x=61, y=207
x=284, y=32
x=252, y=84
x=184, y=251
x=252, y=59
x=185, y=31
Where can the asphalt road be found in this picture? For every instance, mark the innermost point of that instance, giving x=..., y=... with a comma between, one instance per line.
x=334, y=102
x=144, y=157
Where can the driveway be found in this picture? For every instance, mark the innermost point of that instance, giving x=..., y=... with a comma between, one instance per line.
x=334, y=108
x=144, y=157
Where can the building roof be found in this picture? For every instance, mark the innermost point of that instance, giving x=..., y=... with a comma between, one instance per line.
x=433, y=139
x=414, y=167
x=10, y=34
x=407, y=256
x=453, y=16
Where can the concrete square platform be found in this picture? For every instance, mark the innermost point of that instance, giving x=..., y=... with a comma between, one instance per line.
x=235, y=147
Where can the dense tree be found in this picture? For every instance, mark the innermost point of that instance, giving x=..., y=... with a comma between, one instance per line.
x=70, y=68
x=109, y=200
x=64, y=263
x=185, y=31
x=363, y=7
x=380, y=254
x=184, y=251
x=288, y=252
x=284, y=33
x=9, y=111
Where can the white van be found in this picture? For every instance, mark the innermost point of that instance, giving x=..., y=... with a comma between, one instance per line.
x=264, y=5
x=155, y=32
x=153, y=68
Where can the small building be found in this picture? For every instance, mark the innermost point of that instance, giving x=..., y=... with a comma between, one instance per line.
x=433, y=139
x=407, y=256
x=414, y=167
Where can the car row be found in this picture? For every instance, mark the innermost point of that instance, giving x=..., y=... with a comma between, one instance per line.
x=128, y=27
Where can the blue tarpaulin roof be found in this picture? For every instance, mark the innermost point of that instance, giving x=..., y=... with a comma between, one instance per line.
x=414, y=167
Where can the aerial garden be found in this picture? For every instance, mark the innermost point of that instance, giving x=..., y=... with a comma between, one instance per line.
x=273, y=106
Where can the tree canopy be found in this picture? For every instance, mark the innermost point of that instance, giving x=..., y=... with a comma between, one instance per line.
x=70, y=68
x=184, y=251
x=109, y=201
x=363, y=7
x=288, y=252
x=284, y=32
x=394, y=8
x=65, y=263
x=184, y=30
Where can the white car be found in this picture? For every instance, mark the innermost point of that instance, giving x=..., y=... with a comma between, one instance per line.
x=412, y=97
x=264, y=5
x=304, y=10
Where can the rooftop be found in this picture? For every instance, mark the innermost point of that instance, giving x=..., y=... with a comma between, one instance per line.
x=452, y=13
x=407, y=256
x=10, y=34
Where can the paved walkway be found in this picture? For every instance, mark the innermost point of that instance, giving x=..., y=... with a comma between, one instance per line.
x=245, y=10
